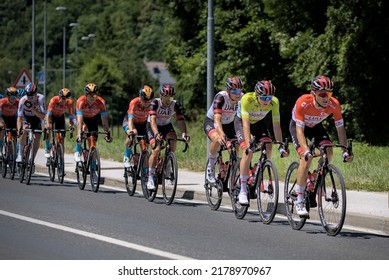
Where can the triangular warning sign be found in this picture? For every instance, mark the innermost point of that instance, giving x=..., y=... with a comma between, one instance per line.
x=22, y=80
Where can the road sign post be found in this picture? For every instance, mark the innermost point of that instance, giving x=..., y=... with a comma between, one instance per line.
x=23, y=79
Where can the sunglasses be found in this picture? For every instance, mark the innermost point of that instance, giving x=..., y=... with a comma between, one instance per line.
x=236, y=91
x=28, y=96
x=324, y=94
x=91, y=95
x=266, y=97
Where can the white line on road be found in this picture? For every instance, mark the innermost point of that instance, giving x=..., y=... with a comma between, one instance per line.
x=98, y=237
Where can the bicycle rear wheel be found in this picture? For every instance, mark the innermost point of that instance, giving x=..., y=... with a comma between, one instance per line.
x=4, y=161
x=30, y=164
x=144, y=172
x=267, y=190
x=290, y=197
x=332, y=200
x=214, y=192
x=130, y=177
x=169, y=178
x=95, y=169
x=60, y=163
x=81, y=174
x=11, y=159
x=234, y=188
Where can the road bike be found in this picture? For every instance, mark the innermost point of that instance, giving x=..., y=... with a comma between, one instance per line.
x=8, y=160
x=138, y=160
x=263, y=183
x=27, y=166
x=166, y=172
x=90, y=161
x=326, y=184
x=214, y=192
x=57, y=157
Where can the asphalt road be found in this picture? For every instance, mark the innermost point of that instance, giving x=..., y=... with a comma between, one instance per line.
x=49, y=221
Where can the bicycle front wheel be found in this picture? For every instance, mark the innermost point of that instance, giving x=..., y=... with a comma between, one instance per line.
x=52, y=163
x=290, y=197
x=60, y=163
x=214, y=192
x=169, y=178
x=95, y=169
x=4, y=160
x=332, y=200
x=144, y=172
x=11, y=159
x=267, y=190
x=81, y=174
x=30, y=164
x=130, y=177
x=234, y=189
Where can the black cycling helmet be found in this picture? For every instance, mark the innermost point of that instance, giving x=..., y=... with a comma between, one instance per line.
x=167, y=90
x=65, y=92
x=12, y=91
x=234, y=83
x=91, y=88
x=31, y=89
x=322, y=83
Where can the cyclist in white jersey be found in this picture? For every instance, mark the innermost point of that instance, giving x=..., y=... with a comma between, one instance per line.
x=31, y=112
x=159, y=126
x=219, y=122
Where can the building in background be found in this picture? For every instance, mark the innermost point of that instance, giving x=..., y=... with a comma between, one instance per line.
x=159, y=71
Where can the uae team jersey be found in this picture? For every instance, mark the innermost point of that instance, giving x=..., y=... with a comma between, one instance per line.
x=305, y=113
x=249, y=108
x=164, y=115
x=221, y=105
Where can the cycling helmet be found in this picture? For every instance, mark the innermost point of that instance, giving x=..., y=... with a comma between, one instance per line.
x=264, y=88
x=322, y=83
x=31, y=89
x=91, y=89
x=11, y=91
x=65, y=92
x=234, y=83
x=167, y=91
x=146, y=93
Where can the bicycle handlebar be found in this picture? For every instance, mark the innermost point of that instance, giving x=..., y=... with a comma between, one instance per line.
x=163, y=143
x=256, y=146
x=323, y=148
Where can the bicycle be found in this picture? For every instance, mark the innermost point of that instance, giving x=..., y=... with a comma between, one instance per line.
x=90, y=163
x=137, y=162
x=57, y=158
x=214, y=192
x=27, y=165
x=327, y=184
x=263, y=183
x=166, y=170
x=8, y=160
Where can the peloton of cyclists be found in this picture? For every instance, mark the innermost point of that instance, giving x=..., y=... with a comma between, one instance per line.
x=253, y=108
x=159, y=126
x=134, y=123
x=308, y=113
x=219, y=122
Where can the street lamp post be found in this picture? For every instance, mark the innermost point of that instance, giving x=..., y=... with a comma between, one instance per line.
x=63, y=9
x=75, y=25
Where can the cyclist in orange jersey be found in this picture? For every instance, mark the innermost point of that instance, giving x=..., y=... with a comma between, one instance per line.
x=55, y=114
x=134, y=123
x=308, y=114
x=88, y=108
x=8, y=112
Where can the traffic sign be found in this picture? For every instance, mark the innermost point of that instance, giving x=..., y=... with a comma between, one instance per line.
x=23, y=79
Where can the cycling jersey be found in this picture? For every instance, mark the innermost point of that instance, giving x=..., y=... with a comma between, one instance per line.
x=251, y=109
x=89, y=111
x=37, y=102
x=136, y=112
x=221, y=105
x=7, y=109
x=305, y=113
x=58, y=108
x=164, y=115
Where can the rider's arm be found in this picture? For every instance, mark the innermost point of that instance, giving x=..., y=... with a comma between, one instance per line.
x=301, y=138
x=342, y=136
x=217, y=119
x=37, y=113
x=153, y=124
x=277, y=131
x=104, y=121
x=246, y=130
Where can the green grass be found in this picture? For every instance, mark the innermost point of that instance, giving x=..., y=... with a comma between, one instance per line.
x=368, y=171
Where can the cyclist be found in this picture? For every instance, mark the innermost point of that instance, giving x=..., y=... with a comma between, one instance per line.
x=253, y=108
x=31, y=112
x=308, y=114
x=55, y=114
x=219, y=122
x=159, y=126
x=134, y=123
x=88, y=108
x=8, y=112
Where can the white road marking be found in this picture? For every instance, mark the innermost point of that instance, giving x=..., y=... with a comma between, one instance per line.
x=98, y=237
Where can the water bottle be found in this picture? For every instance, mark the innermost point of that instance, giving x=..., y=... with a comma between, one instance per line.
x=311, y=181
x=252, y=172
x=223, y=170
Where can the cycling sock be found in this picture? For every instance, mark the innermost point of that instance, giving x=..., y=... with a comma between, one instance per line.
x=211, y=160
x=20, y=149
x=151, y=173
x=78, y=147
x=300, y=193
x=1, y=143
x=127, y=152
x=47, y=145
x=243, y=183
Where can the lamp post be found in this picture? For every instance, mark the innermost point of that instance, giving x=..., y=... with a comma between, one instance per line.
x=63, y=9
x=75, y=25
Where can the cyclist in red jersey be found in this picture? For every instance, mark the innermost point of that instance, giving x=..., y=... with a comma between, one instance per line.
x=55, y=114
x=8, y=112
x=134, y=123
x=88, y=108
x=159, y=126
x=308, y=114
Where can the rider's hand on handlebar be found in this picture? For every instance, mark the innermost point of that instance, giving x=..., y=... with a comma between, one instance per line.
x=158, y=137
x=347, y=157
x=283, y=152
x=108, y=137
x=186, y=138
